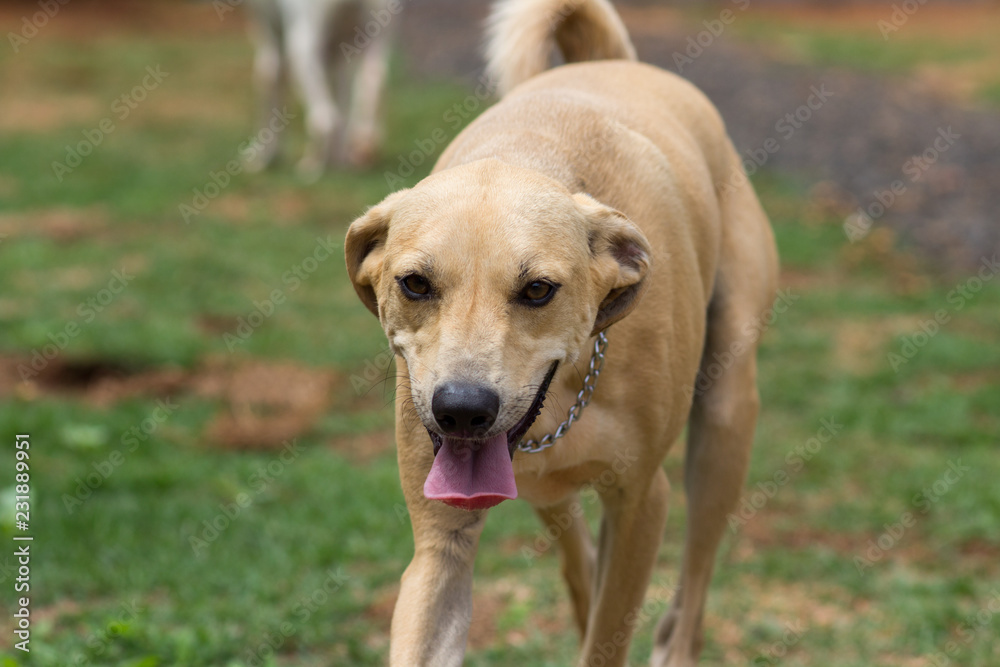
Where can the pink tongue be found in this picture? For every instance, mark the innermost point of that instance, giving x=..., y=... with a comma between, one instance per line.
x=472, y=474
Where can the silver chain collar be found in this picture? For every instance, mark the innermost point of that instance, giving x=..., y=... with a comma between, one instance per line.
x=582, y=400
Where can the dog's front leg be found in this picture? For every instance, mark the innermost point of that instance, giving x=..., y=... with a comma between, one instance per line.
x=431, y=621
x=635, y=512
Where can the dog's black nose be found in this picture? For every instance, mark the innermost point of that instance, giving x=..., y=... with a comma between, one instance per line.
x=464, y=409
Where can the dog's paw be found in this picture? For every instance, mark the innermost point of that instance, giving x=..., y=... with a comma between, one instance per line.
x=362, y=151
x=667, y=649
x=261, y=162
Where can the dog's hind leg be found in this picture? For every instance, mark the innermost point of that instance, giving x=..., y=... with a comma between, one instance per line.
x=720, y=431
x=577, y=554
x=723, y=417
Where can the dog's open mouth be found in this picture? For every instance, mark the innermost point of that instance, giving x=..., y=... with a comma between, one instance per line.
x=475, y=474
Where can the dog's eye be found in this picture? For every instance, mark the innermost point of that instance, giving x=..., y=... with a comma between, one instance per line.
x=537, y=293
x=415, y=286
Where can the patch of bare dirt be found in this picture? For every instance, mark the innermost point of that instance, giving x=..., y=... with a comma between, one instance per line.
x=216, y=325
x=34, y=114
x=906, y=273
x=956, y=20
x=62, y=225
x=487, y=607
x=380, y=611
x=811, y=604
x=366, y=447
x=85, y=20
x=762, y=532
x=261, y=404
x=799, y=280
x=983, y=553
x=859, y=343
x=974, y=380
x=265, y=403
x=234, y=207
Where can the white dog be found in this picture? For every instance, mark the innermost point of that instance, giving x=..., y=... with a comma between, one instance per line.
x=337, y=52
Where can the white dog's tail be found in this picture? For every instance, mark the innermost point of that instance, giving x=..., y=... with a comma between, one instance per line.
x=522, y=33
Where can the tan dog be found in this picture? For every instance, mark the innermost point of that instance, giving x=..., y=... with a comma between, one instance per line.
x=543, y=223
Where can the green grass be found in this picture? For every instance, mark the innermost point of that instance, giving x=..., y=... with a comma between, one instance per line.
x=312, y=561
x=951, y=50
x=862, y=47
x=990, y=93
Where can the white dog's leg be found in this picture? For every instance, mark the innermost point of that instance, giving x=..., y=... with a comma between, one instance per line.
x=364, y=128
x=306, y=51
x=268, y=73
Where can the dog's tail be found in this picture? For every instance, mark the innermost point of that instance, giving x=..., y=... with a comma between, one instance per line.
x=522, y=33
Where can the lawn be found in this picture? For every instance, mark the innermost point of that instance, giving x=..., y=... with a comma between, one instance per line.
x=180, y=520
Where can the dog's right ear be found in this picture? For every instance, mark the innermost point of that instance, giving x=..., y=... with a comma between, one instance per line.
x=621, y=260
x=364, y=249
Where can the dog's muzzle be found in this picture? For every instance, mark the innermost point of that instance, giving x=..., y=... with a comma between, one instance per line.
x=476, y=473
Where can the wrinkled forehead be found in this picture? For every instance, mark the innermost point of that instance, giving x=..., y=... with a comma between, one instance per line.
x=487, y=215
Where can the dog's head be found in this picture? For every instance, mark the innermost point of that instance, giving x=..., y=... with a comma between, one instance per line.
x=485, y=277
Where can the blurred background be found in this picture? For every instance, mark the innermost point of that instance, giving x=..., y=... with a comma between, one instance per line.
x=212, y=459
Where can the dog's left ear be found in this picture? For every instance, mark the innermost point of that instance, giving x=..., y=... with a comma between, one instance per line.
x=621, y=256
x=364, y=249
